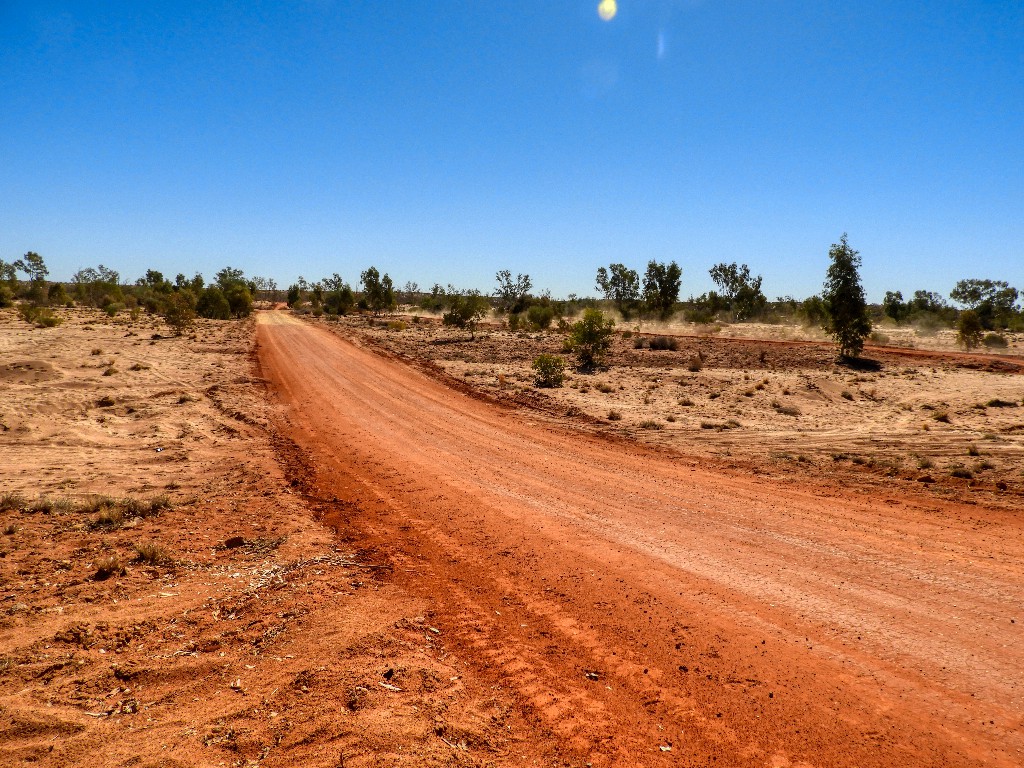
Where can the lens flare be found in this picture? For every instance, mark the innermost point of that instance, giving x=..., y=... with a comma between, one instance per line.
x=607, y=9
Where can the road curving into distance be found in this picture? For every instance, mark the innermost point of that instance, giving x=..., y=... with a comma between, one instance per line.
x=643, y=609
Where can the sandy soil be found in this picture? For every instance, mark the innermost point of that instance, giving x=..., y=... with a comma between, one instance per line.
x=647, y=609
x=948, y=421
x=259, y=636
x=358, y=561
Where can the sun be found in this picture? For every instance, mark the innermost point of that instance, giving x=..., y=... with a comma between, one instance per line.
x=607, y=9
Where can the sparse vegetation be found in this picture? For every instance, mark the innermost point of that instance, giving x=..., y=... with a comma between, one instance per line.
x=590, y=338
x=151, y=554
x=550, y=370
x=108, y=566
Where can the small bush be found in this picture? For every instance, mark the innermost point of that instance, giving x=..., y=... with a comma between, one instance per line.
x=108, y=518
x=10, y=529
x=651, y=424
x=972, y=450
x=107, y=567
x=877, y=337
x=396, y=325
x=961, y=472
x=605, y=388
x=785, y=410
x=925, y=463
x=663, y=343
x=846, y=395
x=994, y=341
x=105, y=402
x=550, y=371
x=639, y=342
x=590, y=338
x=685, y=402
x=695, y=364
x=540, y=316
x=110, y=371
x=139, y=367
x=96, y=351
x=46, y=320
x=614, y=416
x=997, y=403
x=12, y=502
x=151, y=554
x=942, y=416
x=671, y=418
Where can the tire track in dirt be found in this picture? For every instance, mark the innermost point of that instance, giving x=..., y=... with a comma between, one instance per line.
x=730, y=618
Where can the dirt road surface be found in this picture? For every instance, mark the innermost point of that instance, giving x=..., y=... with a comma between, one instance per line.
x=643, y=609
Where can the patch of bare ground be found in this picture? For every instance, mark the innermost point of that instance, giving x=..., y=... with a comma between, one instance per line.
x=936, y=420
x=167, y=594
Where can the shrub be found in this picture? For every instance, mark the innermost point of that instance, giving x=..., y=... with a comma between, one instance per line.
x=942, y=416
x=997, y=403
x=614, y=416
x=179, y=313
x=696, y=363
x=550, y=371
x=213, y=304
x=651, y=424
x=962, y=473
x=664, y=343
x=12, y=502
x=639, y=342
x=108, y=517
x=396, y=325
x=877, y=337
x=785, y=410
x=105, y=402
x=107, y=567
x=466, y=311
x=151, y=554
x=994, y=341
x=845, y=394
x=590, y=338
x=540, y=316
x=969, y=329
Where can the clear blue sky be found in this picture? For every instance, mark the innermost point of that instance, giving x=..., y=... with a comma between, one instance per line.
x=445, y=141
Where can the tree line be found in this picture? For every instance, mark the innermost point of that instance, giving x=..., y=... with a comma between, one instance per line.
x=981, y=307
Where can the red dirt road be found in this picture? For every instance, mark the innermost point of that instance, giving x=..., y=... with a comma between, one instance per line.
x=644, y=610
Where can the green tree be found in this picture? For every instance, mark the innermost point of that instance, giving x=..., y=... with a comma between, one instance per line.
x=620, y=285
x=512, y=294
x=893, y=306
x=213, y=304
x=661, y=287
x=228, y=277
x=992, y=300
x=239, y=300
x=846, y=310
x=741, y=290
x=378, y=292
x=9, y=275
x=465, y=311
x=294, y=295
x=32, y=264
x=590, y=338
x=969, y=329
x=179, y=313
